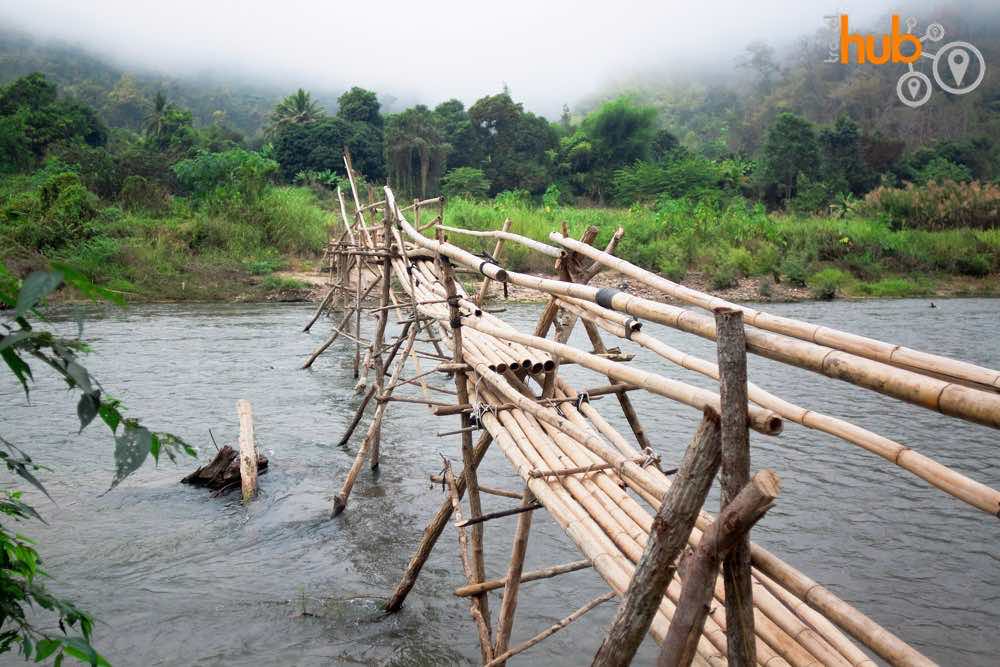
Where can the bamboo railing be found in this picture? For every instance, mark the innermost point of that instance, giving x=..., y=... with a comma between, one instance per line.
x=605, y=492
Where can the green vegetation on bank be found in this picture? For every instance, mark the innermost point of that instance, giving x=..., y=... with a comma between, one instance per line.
x=850, y=256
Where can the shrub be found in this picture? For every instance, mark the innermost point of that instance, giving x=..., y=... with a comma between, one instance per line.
x=139, y=193
x=231, y=173
x=724, y=276
x=465, y=182
x=941, y=169
x=936, y=205
x=550, y=199
x=795, y=269
x=283, y=283
x=826, y=283
x=892, y=287
x=292, y=220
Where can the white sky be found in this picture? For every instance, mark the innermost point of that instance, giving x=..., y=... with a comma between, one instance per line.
x=548, y=51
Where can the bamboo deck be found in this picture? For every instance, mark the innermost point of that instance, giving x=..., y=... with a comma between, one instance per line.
x=603, y=487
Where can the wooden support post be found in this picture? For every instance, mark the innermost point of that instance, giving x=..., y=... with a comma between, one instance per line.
x=732, y=354
x=389, y=215
x=431, y=534
x=534, y=575
x=357, y=326
x=336, y=333
x=514, y=570
x=461, y=384
x=551, y=630
x=371, y=392
x=489, y=516
x=319, y=310
x=667, y=538
x=485, y=287
x=701, y=567
x=485, y=643
x=340, y=501
x=248, y=451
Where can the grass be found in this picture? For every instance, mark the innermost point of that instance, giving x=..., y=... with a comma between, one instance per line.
x=188, y=253
x=280, y=283
x=869, y=258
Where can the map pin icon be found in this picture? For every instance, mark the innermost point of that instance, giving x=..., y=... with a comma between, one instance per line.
x=914, y=86
x=958, y=63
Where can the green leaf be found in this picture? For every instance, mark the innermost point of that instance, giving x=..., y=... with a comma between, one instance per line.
x=12, y=339
x=36, y=287
x=154, y=447
x=17, y=365
x=80, y=648
x=131, y=449
x=46, y=647
x=78, y=280
x=110, y=414
x=87, y=407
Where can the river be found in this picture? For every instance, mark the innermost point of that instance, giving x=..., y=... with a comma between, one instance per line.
x=178, y=578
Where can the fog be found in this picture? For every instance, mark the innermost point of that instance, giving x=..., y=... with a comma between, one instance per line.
x=549, y=52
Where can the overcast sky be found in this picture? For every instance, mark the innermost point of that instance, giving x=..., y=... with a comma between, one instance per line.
x=548, y=51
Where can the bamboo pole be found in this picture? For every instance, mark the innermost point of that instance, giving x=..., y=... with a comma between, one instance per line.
x=702, y=566
x=551, y=630
x=764, y=421
x=951, y=482
x=505, y=235
x=669, y=533
x=510, y=591
x=534, y=575
x=383, y=320
x=497, y=249
x=431, y=534
x=323, y=304
x=897, y=355
x=735, y=474
x=950, y=398
x=481, y=602
x=482, y=624
x=248, y=451
x=336, y=333
x=340, y=500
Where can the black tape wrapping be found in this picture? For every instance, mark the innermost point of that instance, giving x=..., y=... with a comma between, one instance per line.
x=605, y=295
x=629, y=324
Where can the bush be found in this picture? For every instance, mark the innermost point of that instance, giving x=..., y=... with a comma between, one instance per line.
x=724, y=276
x=681, y=174
x=941, y=169
x=139, y=193
x=292, y=220
x=936, y=205
x=233, y=173
x=826, y=283
x=795, y=269
x=283, y=283
x=892, y=287
x=465, y=182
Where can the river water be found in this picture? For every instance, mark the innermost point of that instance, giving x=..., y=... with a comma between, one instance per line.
x=178, y=578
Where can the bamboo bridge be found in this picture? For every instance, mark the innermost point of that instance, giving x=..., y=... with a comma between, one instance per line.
x=696, y=583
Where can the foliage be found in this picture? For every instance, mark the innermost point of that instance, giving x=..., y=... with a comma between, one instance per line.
x=680, y=174
x=936, y=205
x=941, y=170
x=789, y=150
x=825, y=284
x=415, y=150
x=360, y=106
x=512, y=143
x=234, y=173
x=139, y=193
x=20, y=566
x=465, y=182
x=299, y=108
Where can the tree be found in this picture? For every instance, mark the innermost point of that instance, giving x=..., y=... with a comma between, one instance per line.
x=621, y=132
x=361, y=106
x=415, y=149
x=458, y=131
x=156, y=114
x=790, y=149
x=514, y=143
x=319, y=146
x=299, y=108
x=759, y=57
x=465, y=182
x=843, y=166
x=33, y=92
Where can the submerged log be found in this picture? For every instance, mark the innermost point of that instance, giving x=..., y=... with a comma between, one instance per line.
x=222, y=474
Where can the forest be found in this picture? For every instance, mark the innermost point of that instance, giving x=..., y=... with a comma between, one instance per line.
x=803, y=174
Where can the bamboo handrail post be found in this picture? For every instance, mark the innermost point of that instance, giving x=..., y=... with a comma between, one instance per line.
x=472, y=480
x=701, y=566
x=485, y=643
x=731, y=344
x=667, y=538
x=514, y=571
x=431, y=534
x=333, y=337
x=497, y=248
x=383, y=320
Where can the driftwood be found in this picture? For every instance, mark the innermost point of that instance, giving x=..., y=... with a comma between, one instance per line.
x=222, y=474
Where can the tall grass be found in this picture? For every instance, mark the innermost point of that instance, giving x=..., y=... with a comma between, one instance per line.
x=740, y=239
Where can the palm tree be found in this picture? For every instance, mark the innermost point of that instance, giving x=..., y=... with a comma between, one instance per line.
x=296, y=109
x=154, y=118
